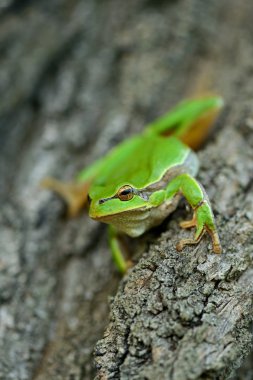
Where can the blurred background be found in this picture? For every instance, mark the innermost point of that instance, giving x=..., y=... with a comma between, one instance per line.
x=76, y=77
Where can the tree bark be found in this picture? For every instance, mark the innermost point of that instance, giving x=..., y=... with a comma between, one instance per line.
x=76, y=78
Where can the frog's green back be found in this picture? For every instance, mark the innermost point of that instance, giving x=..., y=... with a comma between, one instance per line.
x=140, y=161
x=144, y=159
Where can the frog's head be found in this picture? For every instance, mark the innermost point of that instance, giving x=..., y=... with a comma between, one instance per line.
x=106, y=204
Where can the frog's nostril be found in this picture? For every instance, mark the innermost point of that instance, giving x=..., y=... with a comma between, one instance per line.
x=101, y=201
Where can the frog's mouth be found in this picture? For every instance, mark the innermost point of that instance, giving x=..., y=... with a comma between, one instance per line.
x=137, y=214
x=132, y=222
x=124, y=215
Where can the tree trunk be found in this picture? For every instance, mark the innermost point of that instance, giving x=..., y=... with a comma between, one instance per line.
x=76, y=77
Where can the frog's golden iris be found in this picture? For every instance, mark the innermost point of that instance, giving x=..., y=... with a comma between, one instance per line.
x=125, y=193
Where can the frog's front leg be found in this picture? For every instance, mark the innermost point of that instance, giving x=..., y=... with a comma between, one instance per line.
x=203, y=218
x=117, y=254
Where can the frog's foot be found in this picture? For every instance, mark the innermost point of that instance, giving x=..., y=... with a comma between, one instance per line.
x=74, y=194
x=203, y=220
x=182, y=243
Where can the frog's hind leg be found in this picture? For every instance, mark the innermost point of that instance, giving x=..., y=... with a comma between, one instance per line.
x=190, y=121
x=74, y=194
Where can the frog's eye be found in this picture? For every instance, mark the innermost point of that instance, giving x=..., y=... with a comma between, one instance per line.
x=125, y=193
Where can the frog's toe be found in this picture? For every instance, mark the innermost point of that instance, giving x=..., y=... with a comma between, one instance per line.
x=215, y=240
x=182, y=243
x=188, y=223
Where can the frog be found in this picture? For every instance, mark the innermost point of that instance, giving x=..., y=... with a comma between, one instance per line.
x=141, y=181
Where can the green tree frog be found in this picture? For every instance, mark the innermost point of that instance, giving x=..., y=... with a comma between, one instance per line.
x=140, y=181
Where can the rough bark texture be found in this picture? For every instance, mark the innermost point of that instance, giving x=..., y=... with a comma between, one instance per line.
x=76, y=77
